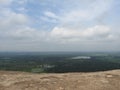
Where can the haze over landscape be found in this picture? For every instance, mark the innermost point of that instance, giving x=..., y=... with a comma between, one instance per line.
x=59, y=25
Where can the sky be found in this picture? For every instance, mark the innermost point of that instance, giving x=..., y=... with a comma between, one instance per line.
x=59, y=25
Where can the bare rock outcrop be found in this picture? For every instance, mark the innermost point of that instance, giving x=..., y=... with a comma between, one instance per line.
x=107, y=80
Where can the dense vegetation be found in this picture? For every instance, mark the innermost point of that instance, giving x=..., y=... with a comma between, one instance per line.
x=59, y=62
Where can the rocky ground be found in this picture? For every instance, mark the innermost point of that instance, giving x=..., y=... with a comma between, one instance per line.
x=108, y=80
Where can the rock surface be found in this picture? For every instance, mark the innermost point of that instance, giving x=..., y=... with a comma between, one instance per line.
x=108, y=80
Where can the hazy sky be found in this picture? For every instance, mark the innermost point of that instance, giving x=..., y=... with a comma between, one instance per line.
x=59, y=25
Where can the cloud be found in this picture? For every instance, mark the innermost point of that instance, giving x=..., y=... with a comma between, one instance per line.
x=92, y=11
x=12, y=23
x=5, y=2
x=76, y=15
x=98, y=32
x=15, y=27
x=69, y=26
x=12, y=20
x=23, y=34
x=22, y=2
x=50, y=14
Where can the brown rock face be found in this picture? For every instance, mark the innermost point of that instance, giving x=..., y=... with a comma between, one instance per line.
x=109, y=80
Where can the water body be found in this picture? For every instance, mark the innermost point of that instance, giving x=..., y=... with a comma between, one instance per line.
x=81, y=57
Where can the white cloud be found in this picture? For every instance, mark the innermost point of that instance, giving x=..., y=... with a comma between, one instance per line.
x=22, y=9
x=5, y=2
x=50, y=17
x=50, y=14
x=77, y=15
x=12, y=23
x=12, y=20
x=15, y=27
x=46, y=19
x=22, y=1
x=23, y=34
x=98, y=32
x=92, y=11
